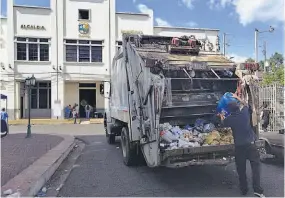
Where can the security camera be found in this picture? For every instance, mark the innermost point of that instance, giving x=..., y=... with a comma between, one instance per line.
x=271, y=29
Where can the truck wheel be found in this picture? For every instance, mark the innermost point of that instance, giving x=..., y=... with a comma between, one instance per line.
x=130, y=155
x=111, y=138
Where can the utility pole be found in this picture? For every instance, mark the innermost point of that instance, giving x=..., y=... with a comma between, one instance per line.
x=256, y=33
x=256, y=44
x=224, y=44
x=264, y=52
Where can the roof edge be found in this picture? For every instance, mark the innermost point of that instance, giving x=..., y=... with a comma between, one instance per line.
x=35, y=7
x=186, y=28
x=132, y=13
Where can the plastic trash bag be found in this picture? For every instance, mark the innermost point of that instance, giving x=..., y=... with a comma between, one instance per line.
x=189, y=128
x=208, y=128
x=165, y=127
x=168, y=136
x=176, y=131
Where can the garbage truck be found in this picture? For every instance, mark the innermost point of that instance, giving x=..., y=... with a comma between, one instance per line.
x=157, y=80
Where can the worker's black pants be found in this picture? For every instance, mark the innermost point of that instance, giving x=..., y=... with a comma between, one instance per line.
x=242, y=154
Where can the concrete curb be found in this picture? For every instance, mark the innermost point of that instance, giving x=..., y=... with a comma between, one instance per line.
x=51, y=121
x=31, y=180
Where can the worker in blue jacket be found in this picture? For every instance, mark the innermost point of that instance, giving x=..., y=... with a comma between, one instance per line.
x=239, y=121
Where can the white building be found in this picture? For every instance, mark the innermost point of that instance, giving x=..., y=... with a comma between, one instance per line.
x=69, y=48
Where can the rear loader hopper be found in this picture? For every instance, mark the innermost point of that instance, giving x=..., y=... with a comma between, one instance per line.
x=157, y=80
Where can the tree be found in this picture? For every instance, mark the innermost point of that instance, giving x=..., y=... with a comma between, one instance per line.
x=249, y=60
x=276, y=60
x=276, y=70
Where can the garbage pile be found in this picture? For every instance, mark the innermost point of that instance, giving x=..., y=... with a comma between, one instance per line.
x=202, y=134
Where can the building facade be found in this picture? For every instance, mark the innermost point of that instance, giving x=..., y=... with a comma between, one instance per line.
x=69, y=49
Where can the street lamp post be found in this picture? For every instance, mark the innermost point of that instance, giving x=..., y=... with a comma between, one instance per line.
x=256, y=34
x=29, y=82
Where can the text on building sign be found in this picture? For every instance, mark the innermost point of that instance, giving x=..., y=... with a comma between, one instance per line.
x=33, y=27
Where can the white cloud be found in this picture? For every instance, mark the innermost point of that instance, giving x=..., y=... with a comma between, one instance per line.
x=144, y=9
x=236, y=58
x=249, y=11
x=259, y=10
x=188, y=3
x=191, y=24
x=218, y=4
x=161, y=22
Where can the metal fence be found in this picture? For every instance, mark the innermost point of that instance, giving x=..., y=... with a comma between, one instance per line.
x=271, y=99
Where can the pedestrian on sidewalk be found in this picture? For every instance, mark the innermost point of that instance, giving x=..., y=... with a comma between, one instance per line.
x=245, y=148
x=4, y=115
x=74, y=115
x=67, y=112
x=87, y=111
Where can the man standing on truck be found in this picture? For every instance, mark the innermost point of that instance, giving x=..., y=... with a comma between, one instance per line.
x=245, y=148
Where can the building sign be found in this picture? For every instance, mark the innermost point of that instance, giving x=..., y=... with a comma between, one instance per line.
x=131, y=32
x=33, y=27
x=84, y=29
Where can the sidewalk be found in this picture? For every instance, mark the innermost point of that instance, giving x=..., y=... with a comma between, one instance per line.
x=27, y=163
x=18, y=152
x=53, y=121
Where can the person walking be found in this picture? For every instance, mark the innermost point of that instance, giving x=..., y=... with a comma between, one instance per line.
x=67, y=111
x=245, y=148
x=4, y=122
x=4, y=115
x=87, y=111
x=74, y=115
x=265, y=113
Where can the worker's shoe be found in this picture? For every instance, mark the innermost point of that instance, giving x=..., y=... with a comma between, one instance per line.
x=259, y=195
x=244, y=192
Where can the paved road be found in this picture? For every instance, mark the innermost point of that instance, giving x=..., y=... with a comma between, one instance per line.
x=99, y=171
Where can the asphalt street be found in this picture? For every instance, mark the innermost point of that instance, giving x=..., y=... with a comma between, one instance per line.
x=99, y=171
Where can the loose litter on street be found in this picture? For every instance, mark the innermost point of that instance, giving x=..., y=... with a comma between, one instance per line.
x=8, y=192
x=202, y=134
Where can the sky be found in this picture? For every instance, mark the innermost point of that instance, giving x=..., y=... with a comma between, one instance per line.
x=237, y=18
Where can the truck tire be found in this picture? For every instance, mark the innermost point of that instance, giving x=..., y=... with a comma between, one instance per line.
x=129, y=151
x=111, y=138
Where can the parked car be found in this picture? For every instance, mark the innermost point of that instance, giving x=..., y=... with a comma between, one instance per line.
x=274, y=143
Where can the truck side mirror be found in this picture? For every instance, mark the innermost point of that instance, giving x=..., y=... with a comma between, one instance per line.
x=102, y=89
x=105, y=89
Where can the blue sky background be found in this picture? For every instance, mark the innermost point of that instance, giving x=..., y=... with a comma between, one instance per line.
x=239, y=18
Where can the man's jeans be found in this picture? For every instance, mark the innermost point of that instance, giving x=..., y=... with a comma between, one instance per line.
x=242, y=154
x=87, y=114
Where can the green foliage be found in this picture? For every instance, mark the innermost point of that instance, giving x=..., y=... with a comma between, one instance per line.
x=276, y=70
x=249, y=60
x=276, y=75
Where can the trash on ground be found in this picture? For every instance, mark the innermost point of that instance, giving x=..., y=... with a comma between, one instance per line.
x=44, y=189
x=60, y=186
x=202, y=134
x=17, y=194
x=8, y=192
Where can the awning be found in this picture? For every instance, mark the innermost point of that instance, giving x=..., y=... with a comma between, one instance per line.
x=3, y=97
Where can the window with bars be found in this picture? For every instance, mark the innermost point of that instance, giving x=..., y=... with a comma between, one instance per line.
x=32, y=49
x=119, y=45
x=41, y=96
x=83, y=51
